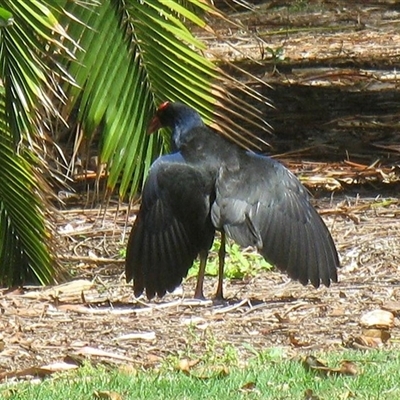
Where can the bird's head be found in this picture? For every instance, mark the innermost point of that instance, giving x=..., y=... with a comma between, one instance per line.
x=177, y=116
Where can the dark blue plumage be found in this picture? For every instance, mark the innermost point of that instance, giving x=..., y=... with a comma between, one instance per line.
x=209, y=183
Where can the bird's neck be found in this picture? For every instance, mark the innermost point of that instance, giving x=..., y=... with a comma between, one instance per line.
x=204, y=147
x=182, y=131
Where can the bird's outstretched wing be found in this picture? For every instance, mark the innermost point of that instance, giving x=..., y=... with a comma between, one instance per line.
x=261, y=203
x=172, y=226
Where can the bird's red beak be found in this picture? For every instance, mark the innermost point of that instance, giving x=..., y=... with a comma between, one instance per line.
x=154, y=125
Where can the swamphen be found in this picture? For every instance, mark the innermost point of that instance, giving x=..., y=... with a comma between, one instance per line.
x=209, y=184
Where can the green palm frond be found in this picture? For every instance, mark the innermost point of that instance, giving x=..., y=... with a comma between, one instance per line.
x=24, y=65
x=134, y=55
x=111, y=90
x=104, y=66
x=27, y=87
x=26, y=247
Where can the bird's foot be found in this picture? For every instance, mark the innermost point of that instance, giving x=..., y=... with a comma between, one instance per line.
x=198, y=295
x=219, y=300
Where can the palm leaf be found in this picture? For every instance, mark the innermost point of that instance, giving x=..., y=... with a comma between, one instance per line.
x=27, y=251
x=117, y=61
x=132, y=56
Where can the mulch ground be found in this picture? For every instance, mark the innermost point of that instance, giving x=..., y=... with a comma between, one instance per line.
x=96, y=316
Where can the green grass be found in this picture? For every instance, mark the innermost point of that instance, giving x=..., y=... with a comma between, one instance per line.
x=239, y=262
x=270, y=375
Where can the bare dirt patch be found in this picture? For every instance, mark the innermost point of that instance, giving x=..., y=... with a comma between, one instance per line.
x=332, y=69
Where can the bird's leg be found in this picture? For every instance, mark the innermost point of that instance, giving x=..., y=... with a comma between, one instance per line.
x=198, y=294
x=221, y=265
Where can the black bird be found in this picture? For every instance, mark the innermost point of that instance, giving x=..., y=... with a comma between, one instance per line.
x=210, y=184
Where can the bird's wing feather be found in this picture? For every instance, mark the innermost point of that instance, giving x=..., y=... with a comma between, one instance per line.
x=172, y=226
x=261, y=203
